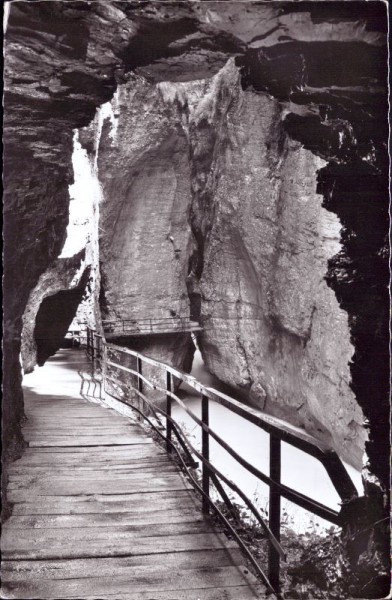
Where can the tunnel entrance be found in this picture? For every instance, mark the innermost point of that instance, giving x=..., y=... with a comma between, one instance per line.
x=55, y=315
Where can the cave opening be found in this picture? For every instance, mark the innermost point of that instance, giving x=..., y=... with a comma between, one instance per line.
x=54, y=317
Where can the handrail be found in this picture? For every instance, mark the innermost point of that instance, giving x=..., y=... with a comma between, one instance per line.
x=300, y=440
x=150, y=325
x=145, y=320
x=98, y=349
x=304, y=501
x=207, y=499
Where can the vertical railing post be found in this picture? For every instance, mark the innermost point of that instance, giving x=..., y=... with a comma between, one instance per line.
x=168, y=412
x=140, y=385
x=150, y=325
x=95, y=351
x=274, y=511
x=205, y=450
x=92, y=349
x=104, y=370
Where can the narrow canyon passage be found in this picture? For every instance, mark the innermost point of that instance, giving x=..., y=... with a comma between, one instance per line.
x=209, y=171
x=99, y=511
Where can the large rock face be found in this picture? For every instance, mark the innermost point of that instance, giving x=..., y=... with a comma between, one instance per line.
x=141, y=155
x=274, y=331
x=145, y=238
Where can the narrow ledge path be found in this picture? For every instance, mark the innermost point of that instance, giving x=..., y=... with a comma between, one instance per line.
x=100, y=511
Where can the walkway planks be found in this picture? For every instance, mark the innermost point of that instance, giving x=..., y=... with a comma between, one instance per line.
x=99, y=510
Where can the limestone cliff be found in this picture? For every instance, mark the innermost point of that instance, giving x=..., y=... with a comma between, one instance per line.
x=273, y=330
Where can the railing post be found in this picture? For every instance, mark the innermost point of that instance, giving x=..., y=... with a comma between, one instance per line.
x=274, y=511
x=168, y=412
x=205, y=450
x=140, y=385
x=150, y=325
x=95, y=353
x=93, y=348
x=104, y=369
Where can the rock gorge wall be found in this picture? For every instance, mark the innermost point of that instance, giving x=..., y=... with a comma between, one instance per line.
x=141, y=154
x=273, y=329
x=213, y=154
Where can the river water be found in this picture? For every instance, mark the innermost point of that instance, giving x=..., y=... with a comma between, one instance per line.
x=299, y=470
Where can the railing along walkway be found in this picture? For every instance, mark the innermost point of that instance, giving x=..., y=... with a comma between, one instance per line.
x=153, y=326
x=100, y=511
x=128, y=383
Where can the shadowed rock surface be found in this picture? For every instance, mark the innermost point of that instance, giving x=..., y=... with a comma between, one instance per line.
x=39, y=319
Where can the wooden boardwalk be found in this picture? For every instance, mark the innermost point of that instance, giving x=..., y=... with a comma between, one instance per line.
x=100, y=511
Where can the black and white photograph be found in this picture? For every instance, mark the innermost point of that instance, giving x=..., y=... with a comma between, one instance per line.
x=196, y=305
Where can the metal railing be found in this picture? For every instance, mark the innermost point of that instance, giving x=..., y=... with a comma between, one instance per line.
x=104, y=357
x=144, y=326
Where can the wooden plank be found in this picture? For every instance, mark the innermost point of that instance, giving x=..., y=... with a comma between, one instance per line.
x=142, y=579
x=28, y=479
x=60, y=569
x=96, y=461
x=86, y=452
x=75, y=424
x=73, y=434
x=243, y=592
x=90, y=441
x=65, y=425
x=101, y=417
x=75, y=483
x=126, y=471
x=76, y=450
x=92, y=467
x=120, y=489
x=67, y=505
x=215, y=593
x=103, y=543
x=129, y=517
x=61, y=535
